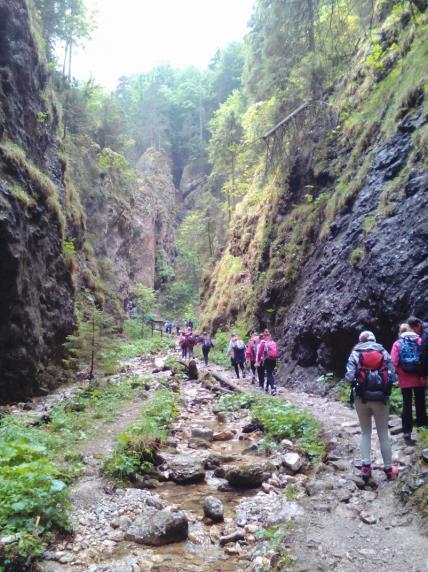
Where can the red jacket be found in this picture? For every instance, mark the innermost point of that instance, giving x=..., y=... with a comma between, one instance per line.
x=405, y=378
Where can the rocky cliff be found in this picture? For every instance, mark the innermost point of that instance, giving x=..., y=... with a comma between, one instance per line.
x=37, y=214
x=342, y=244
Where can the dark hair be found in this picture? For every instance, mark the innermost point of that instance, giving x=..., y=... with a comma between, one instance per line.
x=414, y=322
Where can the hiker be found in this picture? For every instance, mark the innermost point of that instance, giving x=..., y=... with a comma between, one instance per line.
x=421, y=328
x=371, y=373
x=267, y=354
x=182, y=345
x=168, y=327
x=406, y=357
x=190, y=342
x=206, y=344
x=236, y=351
x=176, y=326
x=189, y=324
x=251, y=354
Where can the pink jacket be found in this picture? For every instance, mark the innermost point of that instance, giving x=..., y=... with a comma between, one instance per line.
x=261, y=350
x=405, y=378
x=249, y=354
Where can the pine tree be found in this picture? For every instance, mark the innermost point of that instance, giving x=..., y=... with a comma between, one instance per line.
x=93, y=346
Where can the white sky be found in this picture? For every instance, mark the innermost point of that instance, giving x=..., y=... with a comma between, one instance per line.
x=135, y=35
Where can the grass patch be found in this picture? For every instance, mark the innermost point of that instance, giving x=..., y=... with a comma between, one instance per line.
x=357, y=256
x=38, y=464
x=280, y=420
x=136, y=449
x=25, y=199
x=147, y=345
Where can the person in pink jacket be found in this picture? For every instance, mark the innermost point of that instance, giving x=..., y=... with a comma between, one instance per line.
x=251, y=353
x=405, y=355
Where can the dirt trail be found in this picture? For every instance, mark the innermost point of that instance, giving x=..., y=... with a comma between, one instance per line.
x=341, y=526
x=347, y=528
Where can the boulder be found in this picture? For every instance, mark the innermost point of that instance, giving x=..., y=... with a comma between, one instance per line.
x=186, y=470
x=223, y=436
x=158, y=527
x=213, y=509
x=203, y=433
x=248, y=476
x=292, y=461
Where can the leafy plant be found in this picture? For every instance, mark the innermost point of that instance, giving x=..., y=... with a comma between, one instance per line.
x=136, y=449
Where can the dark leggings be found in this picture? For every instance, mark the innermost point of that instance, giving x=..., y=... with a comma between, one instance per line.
x=238, y=364
x=253, y=368
x=261, y=375
x=407, y=415
x=205, y=352
x=270, y=365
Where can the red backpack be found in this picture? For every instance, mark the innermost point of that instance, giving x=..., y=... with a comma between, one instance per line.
x=271, y=350
x=373, y=382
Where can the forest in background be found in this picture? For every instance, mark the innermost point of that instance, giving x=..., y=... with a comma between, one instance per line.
x=211, y=122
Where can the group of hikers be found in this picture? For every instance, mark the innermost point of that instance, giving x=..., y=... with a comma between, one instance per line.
x=371, y=371
x=258, y=357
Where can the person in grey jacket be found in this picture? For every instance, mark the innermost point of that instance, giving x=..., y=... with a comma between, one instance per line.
x=371, y=372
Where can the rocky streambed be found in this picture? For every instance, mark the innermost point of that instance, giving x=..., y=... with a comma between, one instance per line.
x=217, y=489
x=202, y=509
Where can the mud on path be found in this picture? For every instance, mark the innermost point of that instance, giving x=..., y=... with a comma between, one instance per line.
x=347, y=526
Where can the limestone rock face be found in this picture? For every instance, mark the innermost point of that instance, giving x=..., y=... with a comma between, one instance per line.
x=36, y=286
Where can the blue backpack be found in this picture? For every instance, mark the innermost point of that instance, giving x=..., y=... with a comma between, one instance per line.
x=410, y=355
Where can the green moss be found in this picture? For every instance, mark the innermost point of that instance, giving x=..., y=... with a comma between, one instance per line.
x=25, y=199
x=39, y=180
x=369, y=222
x=357, y=256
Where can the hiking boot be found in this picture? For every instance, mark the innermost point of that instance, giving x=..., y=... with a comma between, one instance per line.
x=273, y=391
x=366, y=473
x=408, y=439
x=253, y=380
x=244, y=375
x=391, y=473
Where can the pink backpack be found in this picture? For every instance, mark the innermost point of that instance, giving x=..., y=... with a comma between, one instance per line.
x=271, y=350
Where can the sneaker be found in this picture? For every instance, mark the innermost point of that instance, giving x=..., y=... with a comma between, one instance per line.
x=366, y=473
x=391, y=473
x=273, y=392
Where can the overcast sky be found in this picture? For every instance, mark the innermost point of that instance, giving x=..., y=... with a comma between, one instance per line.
x=134, y=35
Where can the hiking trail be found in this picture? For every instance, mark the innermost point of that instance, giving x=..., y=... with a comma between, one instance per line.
x=335, y=524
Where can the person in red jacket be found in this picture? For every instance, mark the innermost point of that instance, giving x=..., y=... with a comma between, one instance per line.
x=405, y=355
x=267, y=354
x=251, y=354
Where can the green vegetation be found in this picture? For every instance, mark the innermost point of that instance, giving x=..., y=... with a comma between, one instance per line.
x=275, y=537
x=357, y=255
x=23, y=197
x=39, y=462
x=143, y=344
x=135, y=452
x=280, y=420
x=93, y=346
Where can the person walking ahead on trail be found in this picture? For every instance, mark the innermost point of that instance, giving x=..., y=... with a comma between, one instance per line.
x=190, y=342
x=236, y=351
x=406, y=357
x=182, y=344
x=251, y=354
x=206, y=344
x=267, y=354
x=421, y=328
x=371, y=373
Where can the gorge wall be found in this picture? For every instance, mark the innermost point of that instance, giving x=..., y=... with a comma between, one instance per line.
x=36, y=283
x=342, y=244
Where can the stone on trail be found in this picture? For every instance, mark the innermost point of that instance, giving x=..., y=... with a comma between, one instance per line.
x=203, y=433
x=249, y=476
x=213, y=509
x=424, y=455
x=292, y=461
x=223, y=436
x=267, y=509
x=158, y=527
x=186, y=469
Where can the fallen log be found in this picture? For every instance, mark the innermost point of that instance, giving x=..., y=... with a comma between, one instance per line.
x=225, y=381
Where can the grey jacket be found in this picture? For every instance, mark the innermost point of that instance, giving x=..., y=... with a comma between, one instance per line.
x=354, y=361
